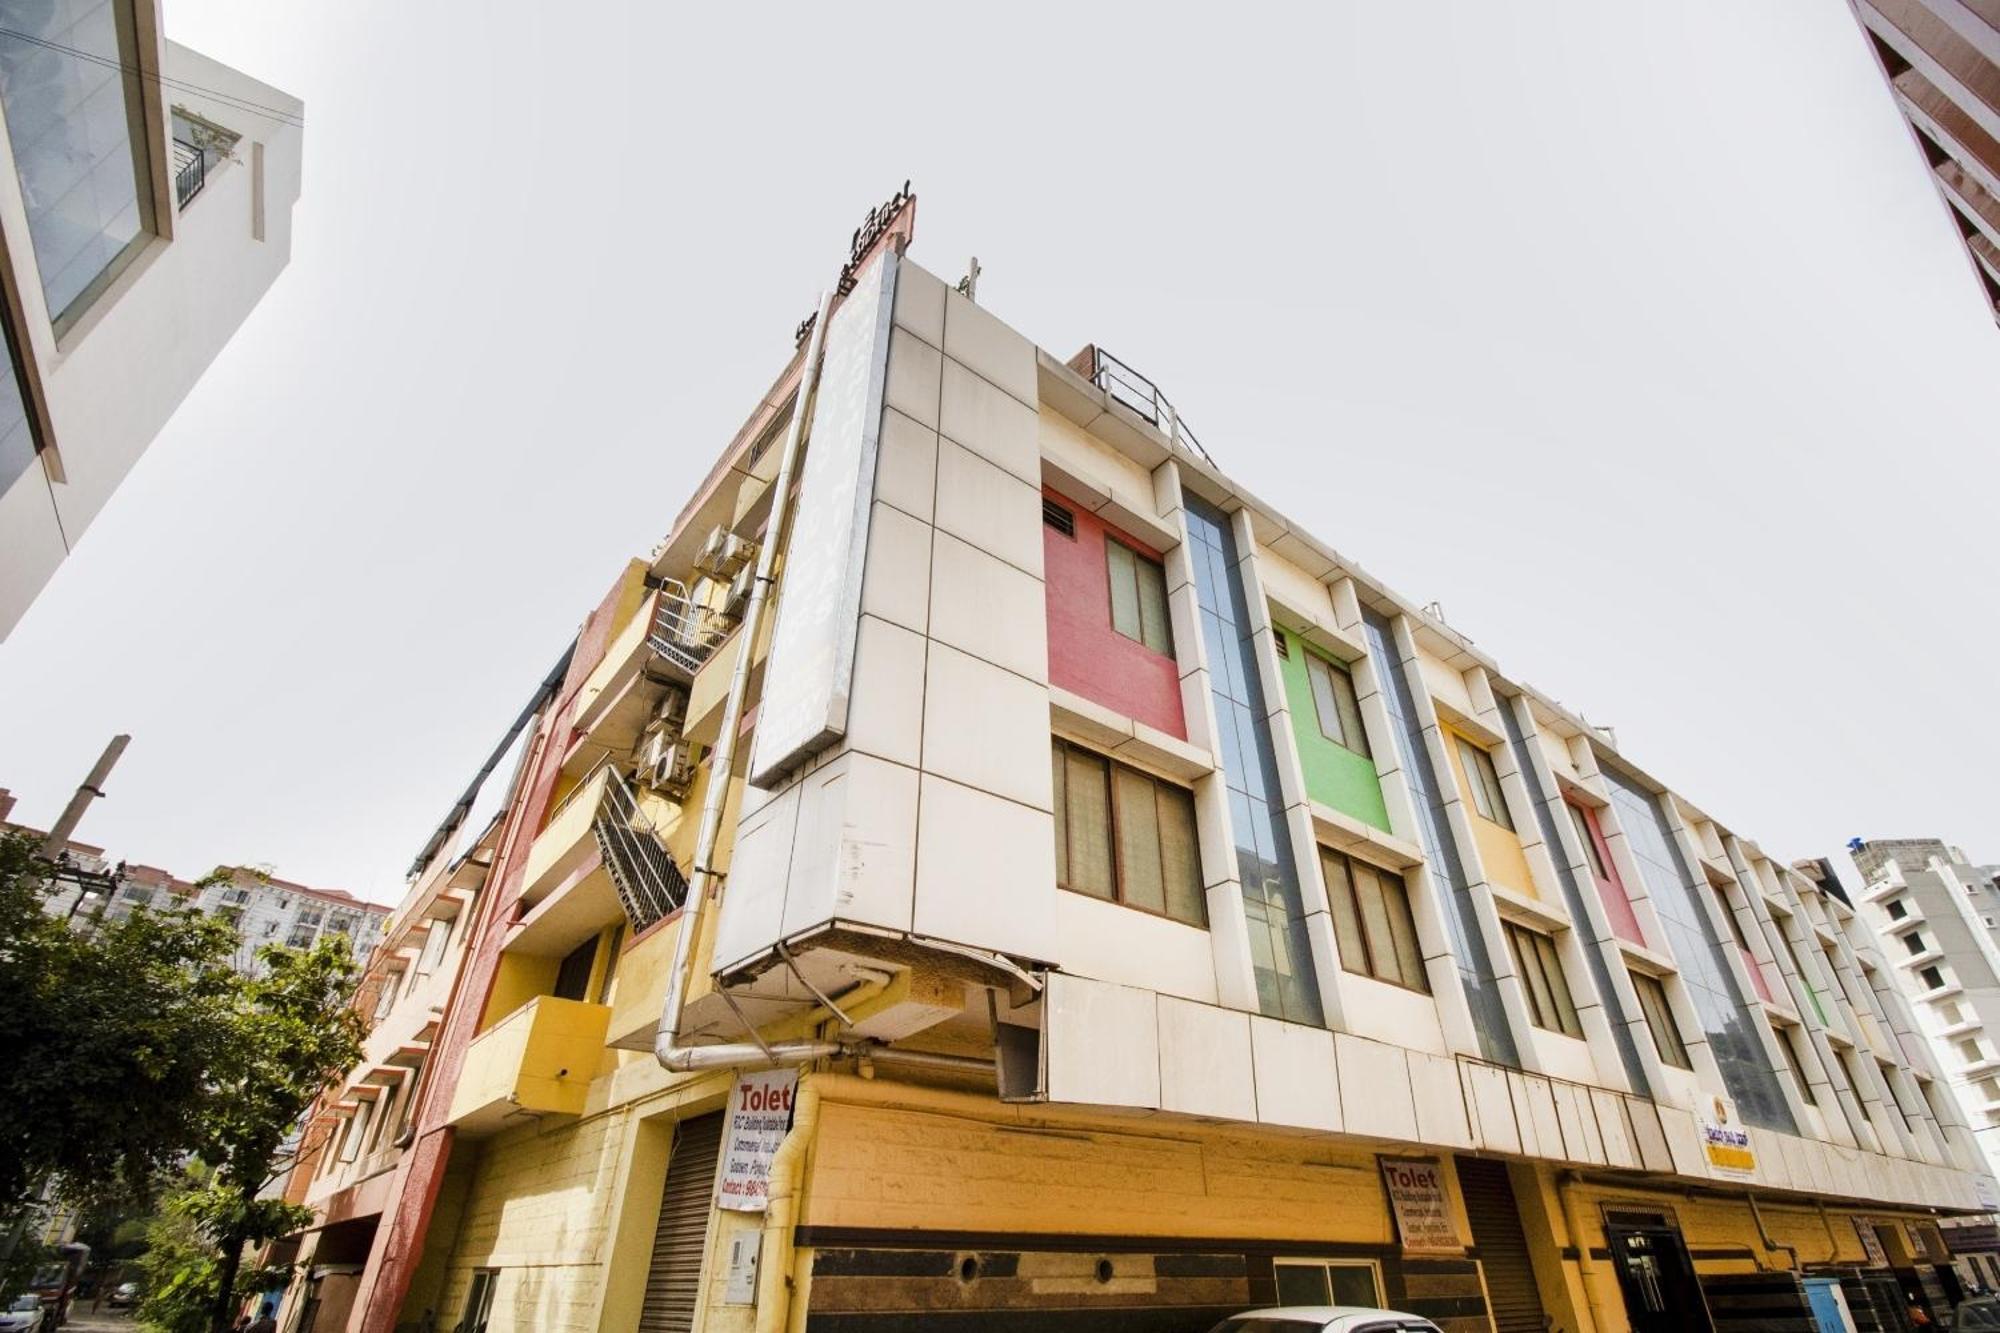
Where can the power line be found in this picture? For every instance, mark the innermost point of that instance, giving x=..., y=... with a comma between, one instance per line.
x=278, y=114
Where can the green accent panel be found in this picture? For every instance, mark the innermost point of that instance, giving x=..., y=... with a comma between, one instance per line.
x=1335, y=775
x=1818, y=1008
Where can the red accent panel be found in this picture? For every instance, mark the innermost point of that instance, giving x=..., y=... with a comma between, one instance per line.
x=1086, y=655
x=398, y=1247
x=1610, y=889
x=1757, y=976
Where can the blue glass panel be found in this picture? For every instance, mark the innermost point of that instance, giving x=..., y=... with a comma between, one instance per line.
x=1546, y=811
x=70, y=112
x=1475, y=969
x=1730, y=1020
x=1273, y=902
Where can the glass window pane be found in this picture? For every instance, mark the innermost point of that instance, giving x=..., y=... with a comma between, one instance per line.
x=1062, y=813
x=1354, y=1284
x=1325, y=705
x=1374, y=922
x=1350, y=711
x=1180, y=857
x=1468, y=759
x=1552, y=967
x=1303, y=1284
x=1138, y=841
x=1591, y=856
x=1346, y=922
x=1155, y=630
x=74, y=120
x=1124, y=572
x=1541, y=1005
x=1088, y=787
x=1403, y=929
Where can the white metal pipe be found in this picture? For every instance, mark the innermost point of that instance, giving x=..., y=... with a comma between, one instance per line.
x=667, y=1045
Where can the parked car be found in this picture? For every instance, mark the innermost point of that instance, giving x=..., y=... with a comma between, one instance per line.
x=1324, y=1319
x=124, y=1296
x=24, y=1314
x=1978, y=1314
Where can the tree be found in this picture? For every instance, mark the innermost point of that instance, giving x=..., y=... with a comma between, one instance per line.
x=112, y=1036
x=293, y=1033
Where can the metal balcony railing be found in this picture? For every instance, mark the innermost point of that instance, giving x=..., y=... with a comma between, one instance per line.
x=649, y=885
x=190, y=171
x=1129, y=388
x=684, y=632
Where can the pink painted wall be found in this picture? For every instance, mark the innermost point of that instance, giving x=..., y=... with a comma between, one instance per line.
x=1610, y=888
x=1086, y=655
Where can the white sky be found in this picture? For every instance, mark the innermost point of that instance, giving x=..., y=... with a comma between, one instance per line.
x=1630, y=332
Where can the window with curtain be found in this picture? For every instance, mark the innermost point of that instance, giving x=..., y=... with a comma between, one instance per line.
x=1138, y=596
x=1335, y=703
x=1372, y=922
x=1660, y=1019
x=1788, y=1046
x=1483, y=781
x=1125, y=836
x=1550, y=1006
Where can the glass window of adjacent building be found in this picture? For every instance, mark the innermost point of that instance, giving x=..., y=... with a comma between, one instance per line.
x=70, y=92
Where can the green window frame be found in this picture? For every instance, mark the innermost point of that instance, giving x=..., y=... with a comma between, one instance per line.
x=1550, y=1005
x=1335, y=703
x=1372, y=922
x=1484, y=781
x=1659, y=1014
x=1138, y=596
x=1125, y=836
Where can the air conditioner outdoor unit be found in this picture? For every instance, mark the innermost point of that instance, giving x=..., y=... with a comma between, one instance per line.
x=723, y=553
x=667, y=764
x=738, y=599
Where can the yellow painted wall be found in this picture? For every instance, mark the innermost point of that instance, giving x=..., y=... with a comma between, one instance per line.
x=517, y=979
x=888, y=1167
x=1499, y=850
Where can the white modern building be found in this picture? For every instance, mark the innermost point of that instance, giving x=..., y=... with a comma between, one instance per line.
x=145, y=208
x=267, y=910
x=1940, y=916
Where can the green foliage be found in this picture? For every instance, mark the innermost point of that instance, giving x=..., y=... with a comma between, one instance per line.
x=112, y=1039
x=134, y=1048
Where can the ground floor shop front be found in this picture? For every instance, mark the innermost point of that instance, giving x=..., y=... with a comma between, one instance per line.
x=897, y=1208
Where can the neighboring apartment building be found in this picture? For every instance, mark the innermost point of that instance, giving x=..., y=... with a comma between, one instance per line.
x=1942, y=60
x=145, y=208
x=263, y=908
x=1940, y=916
x=1168, y=917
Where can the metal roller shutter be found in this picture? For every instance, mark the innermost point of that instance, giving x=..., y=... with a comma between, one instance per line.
x=673, y=1283
x=1513, y=1302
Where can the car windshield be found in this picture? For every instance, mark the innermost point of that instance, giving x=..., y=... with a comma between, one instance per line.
x=1265, y=1324
x=22, y=1304
x=1979, y=1314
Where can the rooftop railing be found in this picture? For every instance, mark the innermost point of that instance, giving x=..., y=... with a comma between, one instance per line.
x=1132, y=390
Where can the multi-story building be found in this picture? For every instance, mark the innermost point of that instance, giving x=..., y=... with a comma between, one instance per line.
x=1162, y=917
x=145, y=207
x=1940, y=916
x=262, y=908
x=1942, y=60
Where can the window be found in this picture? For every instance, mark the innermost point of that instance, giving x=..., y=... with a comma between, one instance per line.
x=1989, y=1088
x=1888, y=1073
x=1487, y=798
x=1898, y=909
x=1328, y=1282
x=1058, y=517
x=573, y=976
x=1124, y=836
x=479, y=1300
x=1138, y=597
x=357, y=1129
x=1549, y=1004
x=1334, y=702
x=1587, y=835
x=1660, y=1018
x=1969, y=1050
x=1372, y=921
x=435, y=940
x=70, y=90
x=1788, y=1047
x=1729, y=918
x=1932, y=978
x=1914, y=942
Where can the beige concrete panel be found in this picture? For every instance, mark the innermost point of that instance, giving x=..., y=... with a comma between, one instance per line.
x=914, y=378
x=906, y=465
x=1375, y=1097
x=1205, y=1065
x=986, y=727
x=1298, y=1079
x=1103, y=1043
x=1002, y=899
x=988, y=608
x=979, y=341
x=989, y=508
x=990, y=422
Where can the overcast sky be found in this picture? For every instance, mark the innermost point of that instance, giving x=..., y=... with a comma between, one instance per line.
x=1631, y=333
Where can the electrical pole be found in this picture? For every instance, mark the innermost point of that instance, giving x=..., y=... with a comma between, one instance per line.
x=91, y=788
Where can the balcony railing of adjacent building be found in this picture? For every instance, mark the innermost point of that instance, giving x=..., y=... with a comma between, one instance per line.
x=190, y=171
x=1132, y=390
x=684, y=632
x=649, y=885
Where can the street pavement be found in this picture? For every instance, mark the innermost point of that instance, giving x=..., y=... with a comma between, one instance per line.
x=81, y=1320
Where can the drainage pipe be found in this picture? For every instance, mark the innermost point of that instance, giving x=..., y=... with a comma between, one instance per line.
x=667, y=1045
x=1586, y=1269
x=781, y=1207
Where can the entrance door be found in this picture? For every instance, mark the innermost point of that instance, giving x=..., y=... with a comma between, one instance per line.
x=1655, y=1274
x=673, y=1283
x=1511, y=1298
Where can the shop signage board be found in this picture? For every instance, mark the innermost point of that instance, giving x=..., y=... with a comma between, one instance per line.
x=806, y=686
x=1725, y=1140
x=1422, y=1206
x=760, y=1113
x=1871, y=1244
